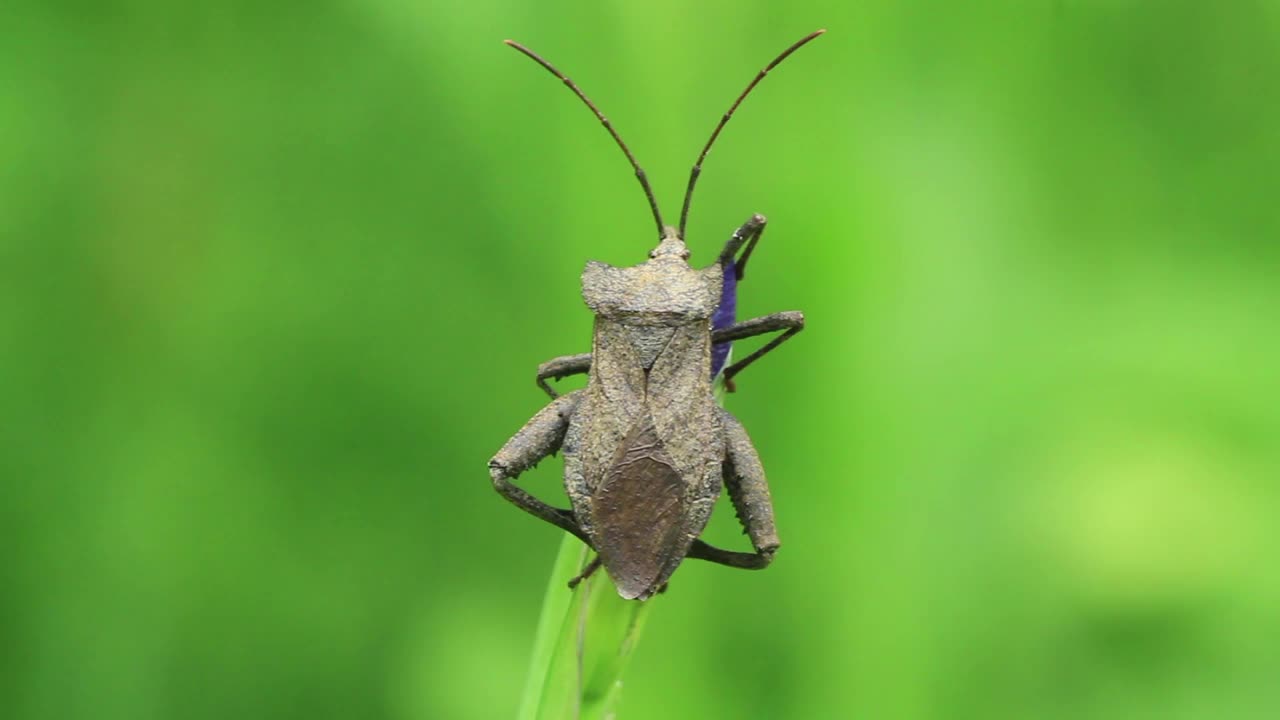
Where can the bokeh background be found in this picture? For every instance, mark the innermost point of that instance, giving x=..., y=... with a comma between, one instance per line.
x=276, y=277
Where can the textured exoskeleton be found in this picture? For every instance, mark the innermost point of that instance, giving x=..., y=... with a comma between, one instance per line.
x=646, y=446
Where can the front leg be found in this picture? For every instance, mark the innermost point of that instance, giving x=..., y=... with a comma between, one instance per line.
x=749, y=491
x=749, y=234
x=562, y=367
x=539, y=438
x=725, y=329
x=732, y=267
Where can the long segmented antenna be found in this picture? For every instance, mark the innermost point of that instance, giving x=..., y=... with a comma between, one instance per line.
x=644, y=180
x=697, y=166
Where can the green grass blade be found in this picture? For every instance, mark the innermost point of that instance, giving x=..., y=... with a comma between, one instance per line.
x=584, y=640
x=556, y=604
x=610, y=632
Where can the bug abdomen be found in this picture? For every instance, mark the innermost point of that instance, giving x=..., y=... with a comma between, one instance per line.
x=639, y=511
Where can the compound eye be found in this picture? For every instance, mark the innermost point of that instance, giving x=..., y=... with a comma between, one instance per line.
x=684, y=255
x=653, y=254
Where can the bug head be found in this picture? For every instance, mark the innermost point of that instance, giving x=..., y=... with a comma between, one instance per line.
x=671, y=247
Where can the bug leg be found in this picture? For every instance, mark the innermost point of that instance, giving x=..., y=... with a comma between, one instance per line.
x=749, y=234
x=747, y=561
x=791, y=321
x=745, y=481
x=587, y=571
x=540, y=437
x=562, y=367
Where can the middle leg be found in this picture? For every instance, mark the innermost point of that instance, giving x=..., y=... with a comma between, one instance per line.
x=790, y=322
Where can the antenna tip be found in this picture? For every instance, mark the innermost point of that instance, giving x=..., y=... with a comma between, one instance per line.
x=510, y=42
x=819, y=31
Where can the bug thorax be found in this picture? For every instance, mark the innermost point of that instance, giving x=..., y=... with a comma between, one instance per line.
x=664, y=290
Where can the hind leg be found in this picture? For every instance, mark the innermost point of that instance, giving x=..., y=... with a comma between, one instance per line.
x=749, y=492
x=539, y=438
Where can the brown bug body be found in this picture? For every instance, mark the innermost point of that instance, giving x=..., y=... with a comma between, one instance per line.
x=644, y=448
x=647, y=448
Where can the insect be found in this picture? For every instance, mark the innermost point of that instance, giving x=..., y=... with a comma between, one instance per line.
x=646, y=446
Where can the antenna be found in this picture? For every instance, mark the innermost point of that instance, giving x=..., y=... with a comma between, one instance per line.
x=697, y=166
x=644, y=180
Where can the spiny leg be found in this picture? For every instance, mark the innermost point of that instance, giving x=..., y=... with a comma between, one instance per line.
x=792, y=321
x=749, y=491
x=539, y=438
x=562, y=367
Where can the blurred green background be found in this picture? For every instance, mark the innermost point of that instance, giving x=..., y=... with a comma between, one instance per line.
x=276, y=278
